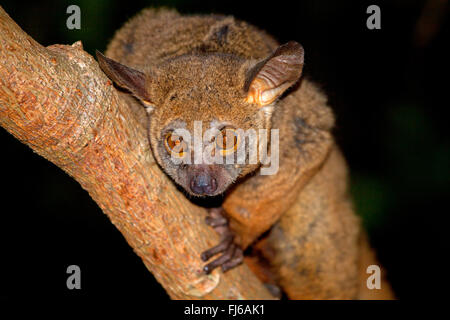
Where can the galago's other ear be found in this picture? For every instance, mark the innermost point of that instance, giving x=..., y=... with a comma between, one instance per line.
x=268, y=79
x=125, y=77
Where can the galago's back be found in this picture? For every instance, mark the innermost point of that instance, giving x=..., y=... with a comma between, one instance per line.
x=155, y=35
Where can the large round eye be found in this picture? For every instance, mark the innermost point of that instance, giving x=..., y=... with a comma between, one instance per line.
x=227, y=141
x=175, y=144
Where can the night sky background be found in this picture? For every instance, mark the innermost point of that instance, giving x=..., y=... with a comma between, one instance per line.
x=389, y=91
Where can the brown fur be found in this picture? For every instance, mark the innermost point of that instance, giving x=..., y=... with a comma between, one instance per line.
x=196, y=68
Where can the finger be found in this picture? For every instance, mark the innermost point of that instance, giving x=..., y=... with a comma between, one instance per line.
x=221, y=260
x=222, y=246
x=214, y=222
x=235, y=260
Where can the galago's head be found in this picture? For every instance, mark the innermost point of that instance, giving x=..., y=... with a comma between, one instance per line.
x=205, y=109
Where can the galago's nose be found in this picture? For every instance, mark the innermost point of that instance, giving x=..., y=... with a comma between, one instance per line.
x=203, y=183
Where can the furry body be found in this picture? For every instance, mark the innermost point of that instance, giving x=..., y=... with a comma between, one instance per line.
x=314, y=244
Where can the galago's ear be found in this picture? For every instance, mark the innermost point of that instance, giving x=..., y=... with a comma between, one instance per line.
x=268, y=79
x=125, y=77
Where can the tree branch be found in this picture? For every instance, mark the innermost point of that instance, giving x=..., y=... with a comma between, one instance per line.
x=57, y=101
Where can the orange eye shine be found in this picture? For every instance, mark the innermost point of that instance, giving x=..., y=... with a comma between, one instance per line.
x=175, y=145
x=227, y=141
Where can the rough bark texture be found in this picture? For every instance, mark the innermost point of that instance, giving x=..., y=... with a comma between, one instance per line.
x=57, y=101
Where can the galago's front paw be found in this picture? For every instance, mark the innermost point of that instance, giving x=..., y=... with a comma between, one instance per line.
x=232, y=254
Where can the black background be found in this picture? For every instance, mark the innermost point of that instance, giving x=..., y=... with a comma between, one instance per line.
x=388, y=88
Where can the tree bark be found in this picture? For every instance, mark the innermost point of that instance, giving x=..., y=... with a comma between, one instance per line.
x=57, y=101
